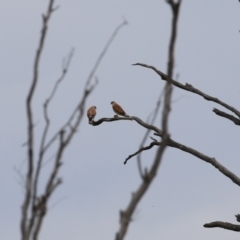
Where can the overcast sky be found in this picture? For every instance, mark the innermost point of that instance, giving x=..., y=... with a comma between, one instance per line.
x=187, y=192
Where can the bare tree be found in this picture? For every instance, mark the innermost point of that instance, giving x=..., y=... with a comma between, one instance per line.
x=35, y=203
x=166, y=141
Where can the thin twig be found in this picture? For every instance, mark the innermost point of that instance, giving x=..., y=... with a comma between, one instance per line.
x=65, y=68
x=88, y=87
x=104, y=51
x=145, y=137
x=152, y=144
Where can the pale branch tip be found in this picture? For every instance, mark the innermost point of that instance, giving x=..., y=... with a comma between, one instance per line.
x=230, y=117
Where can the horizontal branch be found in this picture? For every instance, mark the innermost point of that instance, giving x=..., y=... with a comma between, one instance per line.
x=138, y=120
x=101, y=120
x=190, y=88
x=226, y=115
x=225, y=225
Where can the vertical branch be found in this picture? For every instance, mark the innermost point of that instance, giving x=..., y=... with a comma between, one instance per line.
x=126, y=215
x=168, y=86
x=30, y=139
x=152, y=121
x=52, y=183
x=47, y=120
x=66, y=65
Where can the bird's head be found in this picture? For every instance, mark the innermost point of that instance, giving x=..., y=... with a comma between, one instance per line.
x=112, y=102
x=95, y=107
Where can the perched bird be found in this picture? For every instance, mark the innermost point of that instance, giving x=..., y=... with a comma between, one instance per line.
x=91, y=113
x=118, y=109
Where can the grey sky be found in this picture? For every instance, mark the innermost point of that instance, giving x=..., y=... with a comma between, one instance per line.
x=187, y=191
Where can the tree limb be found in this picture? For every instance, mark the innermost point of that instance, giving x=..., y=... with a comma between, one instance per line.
x=141, y=150
x=190, y=88
x=207, y=159
x=30, y=142
x=138, y=120
x=65, y=68
x=225, y=225
x=175, y=144
x=150, y=120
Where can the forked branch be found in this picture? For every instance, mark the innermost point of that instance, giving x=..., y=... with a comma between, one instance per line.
x=174, y=144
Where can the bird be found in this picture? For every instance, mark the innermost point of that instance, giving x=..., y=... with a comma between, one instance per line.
x=118, y=109
x=91, y=113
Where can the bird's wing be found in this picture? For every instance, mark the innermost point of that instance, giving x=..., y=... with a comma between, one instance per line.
x=117, y=108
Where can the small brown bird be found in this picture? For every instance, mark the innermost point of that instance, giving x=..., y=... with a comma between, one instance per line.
x=118, y=109
x=91, y=113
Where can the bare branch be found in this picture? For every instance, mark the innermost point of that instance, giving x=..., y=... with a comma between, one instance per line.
x=30, y=143
x=205, y=158
x=174, y=144
x=50, y=187
x=126, y=216
x=237, y=217
x=225, y=225
x=141, y=150
x=228, y=116
x=190, y=88
x=138, y=120
x=151, y=122
x=87, y=90
x=65, y=68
